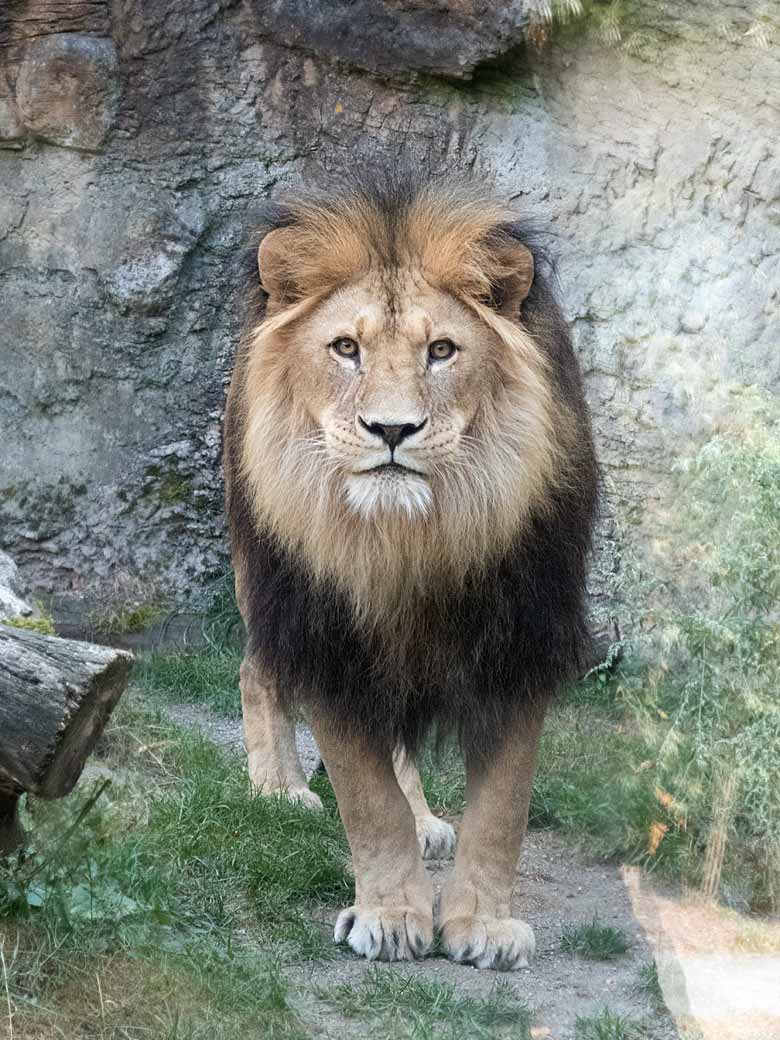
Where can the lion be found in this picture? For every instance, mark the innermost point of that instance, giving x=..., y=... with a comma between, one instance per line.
x=410, y=488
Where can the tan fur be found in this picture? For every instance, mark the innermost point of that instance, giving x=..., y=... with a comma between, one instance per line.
x=392, y=917
x=488, y=450
x=302, y=442
x=475, y=918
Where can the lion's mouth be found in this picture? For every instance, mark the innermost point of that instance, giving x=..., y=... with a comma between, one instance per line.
x=393, y=467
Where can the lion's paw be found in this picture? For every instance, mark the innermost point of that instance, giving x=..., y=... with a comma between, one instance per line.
x=502, y=944
x=304, y=797
x=435, y=837
x=385, y=933
x=300, y=794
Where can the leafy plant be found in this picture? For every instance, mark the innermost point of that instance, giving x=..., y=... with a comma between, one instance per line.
x=649, y=983
x=709, y=708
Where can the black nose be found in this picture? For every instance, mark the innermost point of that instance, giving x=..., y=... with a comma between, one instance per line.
x=392, y=434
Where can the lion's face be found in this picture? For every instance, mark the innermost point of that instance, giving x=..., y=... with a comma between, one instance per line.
x=392, y=375
x=399, y=425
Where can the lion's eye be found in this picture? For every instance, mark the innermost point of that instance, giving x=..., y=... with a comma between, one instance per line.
x=345, y=347
x=441, y=350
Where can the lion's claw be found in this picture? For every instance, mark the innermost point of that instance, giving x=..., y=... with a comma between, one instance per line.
x=385, y=933
x=502, y=944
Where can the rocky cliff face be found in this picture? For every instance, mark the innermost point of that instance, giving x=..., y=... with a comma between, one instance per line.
x=136, y=138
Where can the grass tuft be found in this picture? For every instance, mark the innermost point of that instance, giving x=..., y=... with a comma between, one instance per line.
x=594, y=941
x=41, y=622
x=444, y=780
x=607, y=1026
x=649, y=983
x=415, y=1007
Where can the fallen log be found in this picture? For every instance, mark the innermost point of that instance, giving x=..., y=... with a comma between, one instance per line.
x=55, y=698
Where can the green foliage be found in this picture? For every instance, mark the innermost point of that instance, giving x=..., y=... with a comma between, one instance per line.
x=41, y=622
x=709, y=710
x=606, y=1026
x=595, y=941
x=208, y=676
x=608, y=19
x=594, y=780
x=124, y=620
x=443, y=777
x=414, y=1007
x=167, y=867
x=649, y=983
x=681, y=739
x=57, y=984
x=222, y=625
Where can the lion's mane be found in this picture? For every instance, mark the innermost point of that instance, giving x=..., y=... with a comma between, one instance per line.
x=458, y=621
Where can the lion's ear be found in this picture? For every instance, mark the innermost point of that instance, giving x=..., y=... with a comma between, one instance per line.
x=510, y=288
x=273, y=264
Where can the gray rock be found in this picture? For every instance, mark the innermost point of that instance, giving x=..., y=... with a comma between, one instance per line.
x=398, y=36
x=11, y=130
x=12, y=593
x=652, y=154
x=67, y=89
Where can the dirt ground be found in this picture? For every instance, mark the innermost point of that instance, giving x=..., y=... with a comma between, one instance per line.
x=719, y=971
x=556, y=887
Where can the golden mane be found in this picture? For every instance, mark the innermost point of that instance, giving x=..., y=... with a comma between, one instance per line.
x=453, y=233
x=515, y=453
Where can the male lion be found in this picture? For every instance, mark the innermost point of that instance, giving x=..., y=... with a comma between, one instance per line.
x=410, y=489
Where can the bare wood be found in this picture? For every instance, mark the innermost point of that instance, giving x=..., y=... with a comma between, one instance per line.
x=55, y=698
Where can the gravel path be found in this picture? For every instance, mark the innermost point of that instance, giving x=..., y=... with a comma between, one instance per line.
x=720, y=973
x=556, y=887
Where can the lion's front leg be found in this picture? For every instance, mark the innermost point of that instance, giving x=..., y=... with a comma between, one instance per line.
x=392, y=917
x=474, y=919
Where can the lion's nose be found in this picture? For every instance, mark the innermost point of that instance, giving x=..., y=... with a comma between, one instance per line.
x=392, y=433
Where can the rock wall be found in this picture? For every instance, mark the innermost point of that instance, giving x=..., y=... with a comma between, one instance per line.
x=137, y=137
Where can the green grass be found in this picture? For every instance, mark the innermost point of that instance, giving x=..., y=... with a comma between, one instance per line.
x=594, y=782
x=409, y=1006
x=595, y=941
x=208, y=676
x=60, y=983
x=126, y=618
x=608, y=1026
x=41, y=622
x=444, y=780
x=649, y=983
x=173, y=865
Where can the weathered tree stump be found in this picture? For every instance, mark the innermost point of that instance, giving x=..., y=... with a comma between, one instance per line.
x=55, y=698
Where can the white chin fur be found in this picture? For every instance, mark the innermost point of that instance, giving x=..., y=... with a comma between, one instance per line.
x=371, y=494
